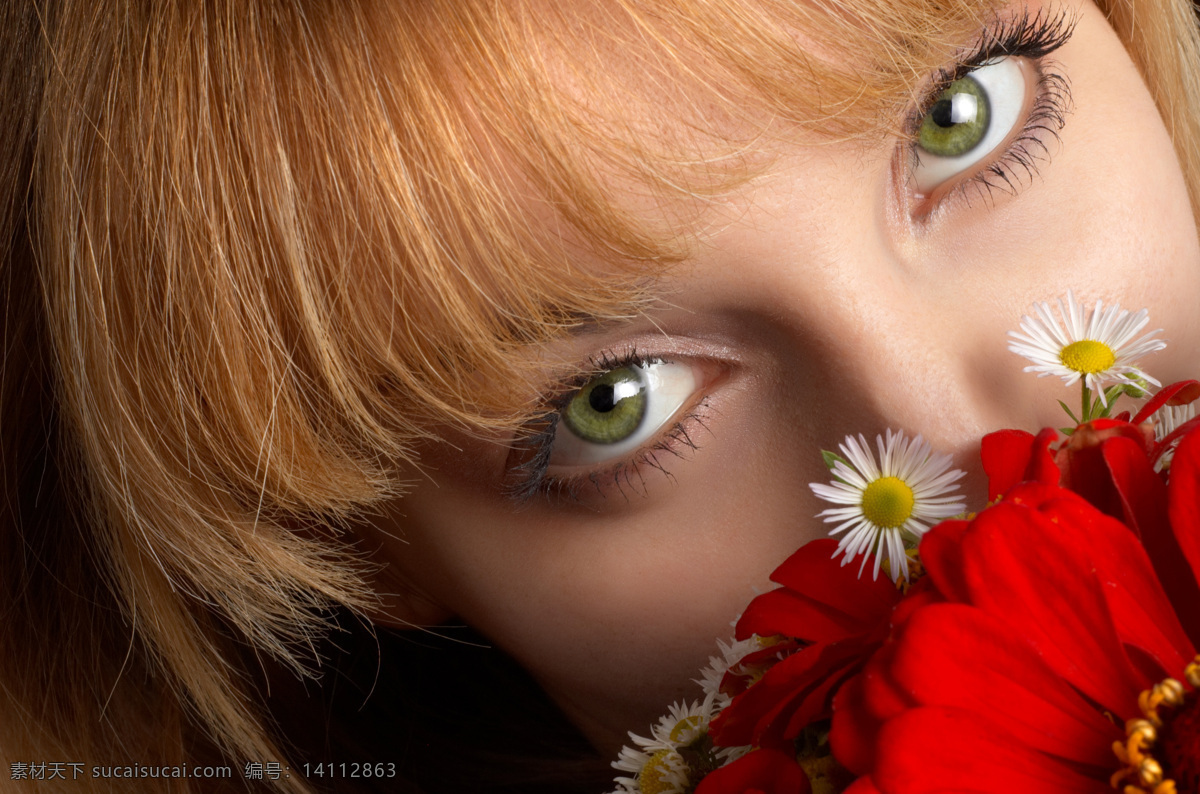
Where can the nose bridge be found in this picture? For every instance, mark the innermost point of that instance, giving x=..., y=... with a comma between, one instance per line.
x=897, y=349
x=911, y=369
x=878, y=327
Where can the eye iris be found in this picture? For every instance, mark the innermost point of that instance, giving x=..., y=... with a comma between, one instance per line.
x=609, y=408
x=958, y=120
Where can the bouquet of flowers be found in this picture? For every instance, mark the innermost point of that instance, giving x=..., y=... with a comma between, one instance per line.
x=1046, y=643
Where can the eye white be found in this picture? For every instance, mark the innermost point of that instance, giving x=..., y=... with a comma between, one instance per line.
x=1004, y=83
x=667, y=387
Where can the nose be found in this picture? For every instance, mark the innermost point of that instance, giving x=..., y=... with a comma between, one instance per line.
x=898, y=350
x=939, y=367
x=879, y=327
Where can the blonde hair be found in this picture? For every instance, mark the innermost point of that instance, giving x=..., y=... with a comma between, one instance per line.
x=257, y=252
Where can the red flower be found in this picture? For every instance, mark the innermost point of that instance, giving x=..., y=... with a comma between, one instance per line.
x=1013, y=456
x=1055, y=619
x=829, y=620
x=759, y=772
x=1111, y=464
x=1090, y=462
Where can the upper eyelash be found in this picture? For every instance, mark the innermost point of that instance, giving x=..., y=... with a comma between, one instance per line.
x=535, y=481
x=598, y=365
x=1026, y=35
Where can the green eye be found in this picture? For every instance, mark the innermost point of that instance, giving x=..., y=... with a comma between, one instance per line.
x=971, y=120
x=609, y=408
x=958, y=120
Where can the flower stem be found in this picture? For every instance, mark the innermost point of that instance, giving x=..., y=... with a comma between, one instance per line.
x=1086, y=414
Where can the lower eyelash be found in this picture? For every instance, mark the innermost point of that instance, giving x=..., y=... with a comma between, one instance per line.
x=1019, y=165
x=533, y=479
x=524, y=481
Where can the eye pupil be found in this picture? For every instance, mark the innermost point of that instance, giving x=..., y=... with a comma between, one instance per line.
x=958, y=109
x=602, y=399
x=942, y=113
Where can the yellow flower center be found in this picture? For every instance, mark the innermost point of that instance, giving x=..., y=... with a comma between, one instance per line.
x=887, y=502
x=1087, y=356
x=683, y=726
x=1161, y=751
x=655, y=777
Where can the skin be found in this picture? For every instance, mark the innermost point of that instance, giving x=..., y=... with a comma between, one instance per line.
x=830, y=302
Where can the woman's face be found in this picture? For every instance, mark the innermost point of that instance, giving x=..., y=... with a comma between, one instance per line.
x=831, y=300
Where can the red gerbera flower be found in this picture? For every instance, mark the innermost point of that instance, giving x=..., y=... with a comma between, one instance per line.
x=1051, y=644
x=826, y=622
x=1111, y=463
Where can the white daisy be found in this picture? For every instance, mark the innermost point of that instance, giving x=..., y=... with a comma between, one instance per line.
x=655, y=762
x=1098, y=348
x=732, y=653
x=661, y=771
x=683, y=723
x=1166, y=420
x=889, y=502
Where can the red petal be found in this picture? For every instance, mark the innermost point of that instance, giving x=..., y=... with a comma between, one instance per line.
x=817, y=704
x=1141, y=492
x=1042, y=467
x=860, y=709
x=793, y=693
x=864, y=785
x=941, y=552
x=956, y=655
x=786, y=612
x=813, y=573
x=1179, y=393
x=1141, y=610
x=1184, y=509
x=935, y=750
x=1018, y=566
x=855, y=731
x=759, y=772
x=1138, y=605
x=1082, y=463
x=923, y=592
x=1185, y=498
x=1013, y=456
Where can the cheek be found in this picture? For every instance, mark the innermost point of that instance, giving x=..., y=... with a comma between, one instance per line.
x=1124, y=229
x=1140, y=236
x=1109, y=216
x=615, y=613
x=1131, y=220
